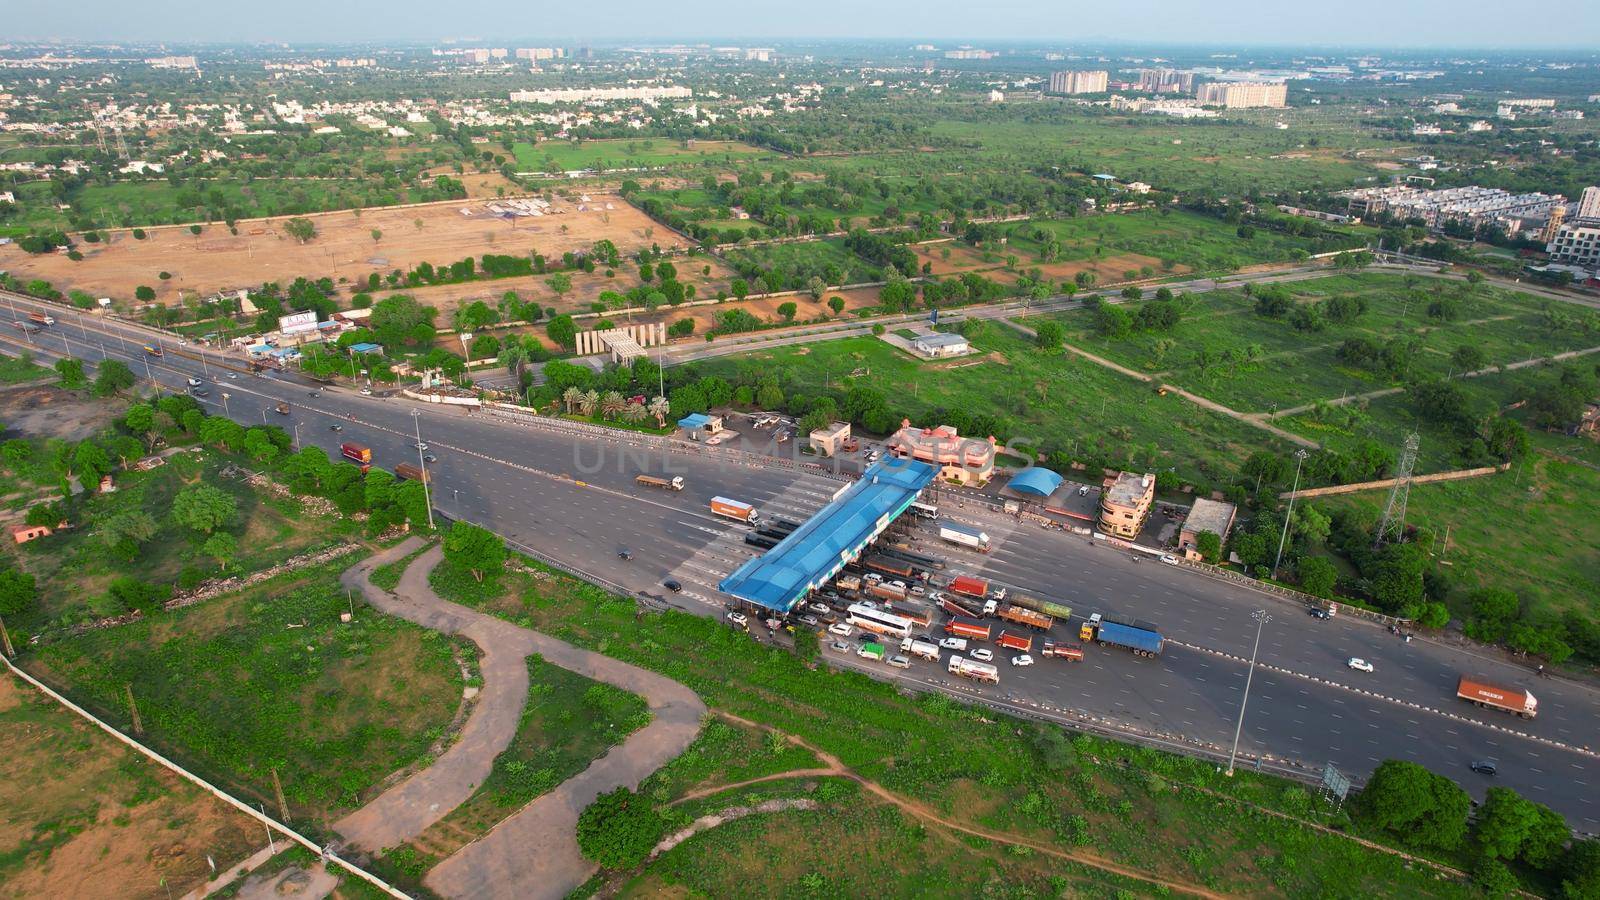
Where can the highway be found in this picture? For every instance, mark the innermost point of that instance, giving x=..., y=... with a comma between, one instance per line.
x=572, y=497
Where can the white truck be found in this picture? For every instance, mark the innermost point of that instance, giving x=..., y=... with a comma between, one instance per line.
x=675, y=483
x=971, y=668
x=920, y=648
x=964, y=536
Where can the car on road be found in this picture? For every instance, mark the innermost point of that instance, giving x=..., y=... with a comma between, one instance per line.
x=820, y=609
x=365, y=392
x=839, y=646
x=738, y=618
x=813, y=621
x=1169, y=559
x=313, y=394
x=841, y=629
x=430, y=459
x=200, y=392
x=1319, y=613
x=956, y=644
x=336, y=427
x=193, y=381
x=1484, y=767
x=624, y=553
x=422, y=446
x=1359, y=664
x=900, y=662
x=233, y=375
x=672, y=585
x=1022, y=659
x=983, y=654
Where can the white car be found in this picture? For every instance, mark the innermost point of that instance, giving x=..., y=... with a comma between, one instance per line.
x=193, y=381
x=738, y=618
x=983, y=654
x=366, y=392
x=840, y=629
x=1359, y=664
x=840, y=646
x=956, y=644
x=1169, y=559
x=1022, y=659
x=900, y=662
x=820, y=609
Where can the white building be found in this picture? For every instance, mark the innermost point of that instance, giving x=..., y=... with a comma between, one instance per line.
x=601, y=95
x=1244, y=94
x=1589, y=204
x=1079, y=82
x=940, y=344
x=1577, y=244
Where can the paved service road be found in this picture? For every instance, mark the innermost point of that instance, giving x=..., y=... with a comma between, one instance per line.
x=572, y=497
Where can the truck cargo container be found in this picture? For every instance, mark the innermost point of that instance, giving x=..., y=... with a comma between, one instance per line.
x=967, y=628
x=848, y=582
x=920, y=648
x=1511, y=700
x=1141, y=637
x=356, y=453
x=871, y=651
x=42, y=318
x=964, y=536
x=1054, y=610
x=756, y=540
x=773, y=533
x=885, y=590
x=1069, y=652
x=409, y=472
x=282, y=408
x=972, y=587
x=675, y=483
x=971, y=668
x=735, y=509
x=956, y=608
x=152, y=351
x=1020, y=616
x=889, y=566
x=786, y=524
x=921, y=615
x=1015, y=641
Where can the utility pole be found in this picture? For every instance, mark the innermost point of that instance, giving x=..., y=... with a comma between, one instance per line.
x=1300, y=457
x=1262, y=619
x=422, y=462
x=277, y=788
x=133, y=710
x=271, y=847
x=5, y=639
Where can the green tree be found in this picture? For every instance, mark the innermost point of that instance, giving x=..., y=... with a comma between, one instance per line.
x=1493, y=610
x=1424, y=809
x=1049, y=334
x=788, y=309
x=300, y=228
x=619, y=829
x=1317, y=575
x=221, y=547
x=144, y=293
x=18, y=592
x=836, y=303
x=113, y=378
x=1504, y=822
x=560, y=282
x=1209, y=545
x=1580, y=871
x=475, y=549
x=204, y=508
x=740, y=288
x=562, y=330
x=71, y=372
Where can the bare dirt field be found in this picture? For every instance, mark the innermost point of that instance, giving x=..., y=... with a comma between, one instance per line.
x=82, y=816
x=962, y=258
x=1109, y=269
x=343, y=249
x=46, y=411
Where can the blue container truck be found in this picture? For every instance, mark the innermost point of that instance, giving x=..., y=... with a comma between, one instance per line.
x=1140, y=637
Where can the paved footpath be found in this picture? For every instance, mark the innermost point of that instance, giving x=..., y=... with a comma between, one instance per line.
x=534, y=853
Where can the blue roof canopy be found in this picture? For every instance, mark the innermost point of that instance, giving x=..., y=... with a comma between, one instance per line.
x=694, y=420
x=1035, y=480
x=820, y=547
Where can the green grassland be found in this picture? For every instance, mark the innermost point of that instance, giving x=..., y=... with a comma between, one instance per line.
x=1053, y=401
x=1136, y=807
x=271, y=678
x=799, y=261
x=566, y=156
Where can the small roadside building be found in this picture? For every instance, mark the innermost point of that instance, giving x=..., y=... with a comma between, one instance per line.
x=1214, y=516
x=830, y=440
x=939, y=344
x=699, y=425
x=1126, y=503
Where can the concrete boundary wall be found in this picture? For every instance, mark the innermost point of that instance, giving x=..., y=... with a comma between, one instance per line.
x=1457, y=475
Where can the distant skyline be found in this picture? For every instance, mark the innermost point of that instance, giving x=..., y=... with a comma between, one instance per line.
x=1411, y=24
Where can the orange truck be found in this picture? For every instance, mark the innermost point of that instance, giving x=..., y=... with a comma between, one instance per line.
x=734, y=509
x=1012, y=640
x=1489, y=696
x=356, y=453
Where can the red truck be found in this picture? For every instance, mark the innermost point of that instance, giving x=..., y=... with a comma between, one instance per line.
x=1068, y=652
x=1018, y=615
x=972, y=587
x=356, y=453
x=1512, y=700
x=967, y=628
x=1015, y=641
x=956, y=608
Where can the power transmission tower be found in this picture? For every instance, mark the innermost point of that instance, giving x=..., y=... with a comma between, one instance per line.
x=1394, y=514
x=122, y=145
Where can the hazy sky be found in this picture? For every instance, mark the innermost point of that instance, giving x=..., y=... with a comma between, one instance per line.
x=1409, y=23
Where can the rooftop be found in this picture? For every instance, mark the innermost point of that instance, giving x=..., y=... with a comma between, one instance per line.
x=940, y=339
x=1128, y=489
x=820, y=547
x=1210, y=515
x=1035, y=480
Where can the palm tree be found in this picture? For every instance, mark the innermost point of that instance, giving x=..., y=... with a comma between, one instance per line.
x=659, y=408
x=571, y=397
x=634, y=413
x=588, y=402
x=611, y=404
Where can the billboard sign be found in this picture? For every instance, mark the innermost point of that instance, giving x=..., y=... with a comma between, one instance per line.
x=298, y=323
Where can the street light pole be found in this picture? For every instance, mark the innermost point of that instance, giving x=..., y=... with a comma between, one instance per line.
x=1300, y=457
x=297, y=437
x=1262, y=619
x=225, y=411
x=422, y=461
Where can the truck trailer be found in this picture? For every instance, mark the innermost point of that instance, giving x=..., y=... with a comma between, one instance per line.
x=408, y=472
x=1069, y=652
x=1489, y=696
x=1141, y=637
x=886, y=590
x=971, y=668
x=1020, y=616
x=675, y=483
x=735, y=509
x=967, y=628
x=1054, y=610
x=920, y=648
x=356, y=453
x=969, y=586
x=956, y=608
x=964, y=536
x=1013, y=640
x=888, y=566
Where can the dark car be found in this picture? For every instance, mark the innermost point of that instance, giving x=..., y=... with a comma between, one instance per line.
x=624, y=554
x=336, y=427
x=1484, y=767
x=1319, y=614
x=672, y=585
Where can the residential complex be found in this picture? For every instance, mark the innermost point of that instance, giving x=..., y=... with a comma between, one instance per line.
x=960, y=460
x=1470, y=206
x=601, y=95
x=1577, y=244
x=1244, y=94
x=1589, y=204
x=1126, y=503
x=1078, y=82
x=1165, y=81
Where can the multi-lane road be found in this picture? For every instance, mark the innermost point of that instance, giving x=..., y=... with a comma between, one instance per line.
x=572, y=497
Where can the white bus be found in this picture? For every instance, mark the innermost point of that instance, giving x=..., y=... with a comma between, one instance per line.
x=869, y=619
x=925, y=510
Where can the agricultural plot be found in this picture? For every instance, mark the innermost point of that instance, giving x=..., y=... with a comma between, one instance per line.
x=796, y=263
x=270, y=679
x=645, y=153
x=344, y=248
x=1052, y=402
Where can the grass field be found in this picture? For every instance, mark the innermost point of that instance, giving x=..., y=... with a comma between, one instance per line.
x=798, y=262
x=1053, y=401
x=1134, y=807
x=567, y=156
x=20, y=369
x=270, y=678
x=83, y=816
